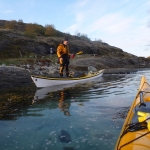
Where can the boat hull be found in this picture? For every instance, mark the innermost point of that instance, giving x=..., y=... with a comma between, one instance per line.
x=137, y=139
x=41, y=81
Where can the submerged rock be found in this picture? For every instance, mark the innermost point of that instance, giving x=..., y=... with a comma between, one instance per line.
x=121, y=113
x=64, y=136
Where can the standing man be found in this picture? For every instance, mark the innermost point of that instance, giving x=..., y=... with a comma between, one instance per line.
x=63, y=56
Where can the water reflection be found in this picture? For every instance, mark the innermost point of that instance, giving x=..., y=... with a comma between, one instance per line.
x=22, y=101
x=17, y=102
x=88, y=116
x=64, y=105
x=12, y=101
x=61, y=99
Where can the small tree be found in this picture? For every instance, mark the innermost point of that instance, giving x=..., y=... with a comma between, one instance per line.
x=30, y=30
x=39, y=29
x=50, y=30
x=20, y=21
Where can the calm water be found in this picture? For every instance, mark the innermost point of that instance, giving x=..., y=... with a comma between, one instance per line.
x=84, y=117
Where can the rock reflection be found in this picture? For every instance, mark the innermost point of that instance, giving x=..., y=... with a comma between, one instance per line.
x=13, y=100
x=27, y=101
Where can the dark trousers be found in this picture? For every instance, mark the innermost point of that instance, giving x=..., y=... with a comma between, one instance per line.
x=64, y=64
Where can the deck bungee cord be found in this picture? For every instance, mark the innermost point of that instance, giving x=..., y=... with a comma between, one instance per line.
x=132, y=128
x=144, y=122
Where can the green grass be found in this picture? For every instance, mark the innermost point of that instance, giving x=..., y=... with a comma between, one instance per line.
x=31, y=60
x=26, y=60
x=10, y=61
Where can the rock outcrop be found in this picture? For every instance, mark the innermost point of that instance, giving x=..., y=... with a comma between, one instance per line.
x=14, y=76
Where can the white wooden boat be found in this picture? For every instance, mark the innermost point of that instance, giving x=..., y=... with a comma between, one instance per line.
x=41, y=81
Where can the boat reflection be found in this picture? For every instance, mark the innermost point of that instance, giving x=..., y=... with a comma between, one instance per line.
x=60, y=97
x=56, y=94
x=44, y=92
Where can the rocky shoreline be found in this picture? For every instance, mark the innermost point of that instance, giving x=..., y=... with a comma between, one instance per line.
x=13, y=76
x=17, y=76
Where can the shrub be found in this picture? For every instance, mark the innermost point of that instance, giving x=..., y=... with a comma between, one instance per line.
x=50, y=30
x=40, y=30
x=10, y=24
x=31, y=29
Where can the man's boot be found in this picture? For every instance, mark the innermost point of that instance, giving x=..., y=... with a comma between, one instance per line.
x=61, y=75
x=67, y=74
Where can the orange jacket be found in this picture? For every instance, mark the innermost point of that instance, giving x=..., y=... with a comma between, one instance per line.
x=62, y=50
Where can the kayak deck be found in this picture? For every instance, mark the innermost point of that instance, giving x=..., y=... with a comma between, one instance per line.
x=135, y=135
x=139, y=140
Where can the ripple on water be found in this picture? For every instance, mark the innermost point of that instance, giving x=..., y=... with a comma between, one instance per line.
x=97, y=112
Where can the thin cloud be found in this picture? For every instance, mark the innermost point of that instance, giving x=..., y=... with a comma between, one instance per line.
x=81, y=3
x=126, y=1
x=148, y=24
x=79, y=17
x=8, y=11
x=72, y=28
x=111, y=23
x=148, y=45
x=79, y=20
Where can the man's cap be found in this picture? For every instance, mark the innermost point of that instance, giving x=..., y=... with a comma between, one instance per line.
x=66, y=39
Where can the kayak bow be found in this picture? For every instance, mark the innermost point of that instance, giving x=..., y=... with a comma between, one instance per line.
x=135, y=133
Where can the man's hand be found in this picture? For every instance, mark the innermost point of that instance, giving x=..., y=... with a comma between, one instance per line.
x=61, y=60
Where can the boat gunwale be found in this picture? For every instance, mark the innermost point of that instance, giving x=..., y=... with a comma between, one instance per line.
x=79, y=78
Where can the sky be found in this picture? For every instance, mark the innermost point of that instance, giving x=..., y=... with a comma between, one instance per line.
x=121, y=23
